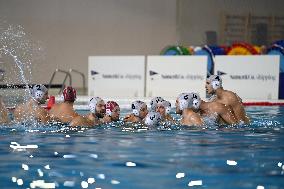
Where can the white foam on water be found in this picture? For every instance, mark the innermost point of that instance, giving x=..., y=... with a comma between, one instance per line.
x=41, y=184
x=69, y=156
x=195, y=183
x=67, y=136
x=40, y=173
x=130, y=164
x=180, y=175
x=260, y=187
x=17, y=146
x=14, y=179
x=91, y=180
x=25, y=167
x=231, y=162
x=94, y=156
x=84, y=184
x=69, y=183
x=101, y=176
x=47, y=167
x=114, y=182
x=20, y=182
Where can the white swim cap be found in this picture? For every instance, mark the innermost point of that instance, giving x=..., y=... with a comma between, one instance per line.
x=152, y=118
x=93, y=103
x=155, y=101
x=216, y=81
x=183, y=100
x=38, y=92
x=136, y=107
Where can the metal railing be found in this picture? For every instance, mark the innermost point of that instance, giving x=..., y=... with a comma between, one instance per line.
x=67, y=75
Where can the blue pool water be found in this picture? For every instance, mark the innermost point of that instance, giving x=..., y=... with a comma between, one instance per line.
x=148, y=159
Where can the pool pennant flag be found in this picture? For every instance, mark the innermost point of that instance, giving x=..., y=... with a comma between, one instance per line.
x=153, y=73
x=94, y=73
x=221, y=73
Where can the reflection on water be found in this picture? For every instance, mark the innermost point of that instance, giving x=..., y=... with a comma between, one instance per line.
x=131, y=156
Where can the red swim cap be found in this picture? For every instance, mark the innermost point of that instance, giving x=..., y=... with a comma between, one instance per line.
x=69, y=94
x=110, y=105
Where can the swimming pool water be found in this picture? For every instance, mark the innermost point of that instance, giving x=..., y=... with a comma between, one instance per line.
x=228, y=157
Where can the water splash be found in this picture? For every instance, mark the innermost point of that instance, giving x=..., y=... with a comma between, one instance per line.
x=17, y=52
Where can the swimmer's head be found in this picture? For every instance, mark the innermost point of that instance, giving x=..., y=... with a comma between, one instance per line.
x=213, y=83
x=113, y=110
x=163, y=108
x=154, y=102
x=97, y=106
x=152, y=119
x=182, y=102
x=69, y=94
x=139, y=109
x=39, y=93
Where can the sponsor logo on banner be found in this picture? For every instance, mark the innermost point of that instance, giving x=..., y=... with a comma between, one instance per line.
x=116, y=76
x=259, y=77
x=195, y=77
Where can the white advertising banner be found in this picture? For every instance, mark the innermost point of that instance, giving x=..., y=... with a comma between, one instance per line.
x=168, y=76
x=116, y=76
x=251, y=77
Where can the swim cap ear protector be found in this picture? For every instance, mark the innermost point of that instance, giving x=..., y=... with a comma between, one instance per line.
x=216, y=81
x=154, y=102
x=167, y=106
x=152, y=118
x=110, y=105
x=195, y=101
x=38, y=92
x=93, y=103
x=69, y=94
x=215, y=84
x=108, y=112
x=136, y=107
